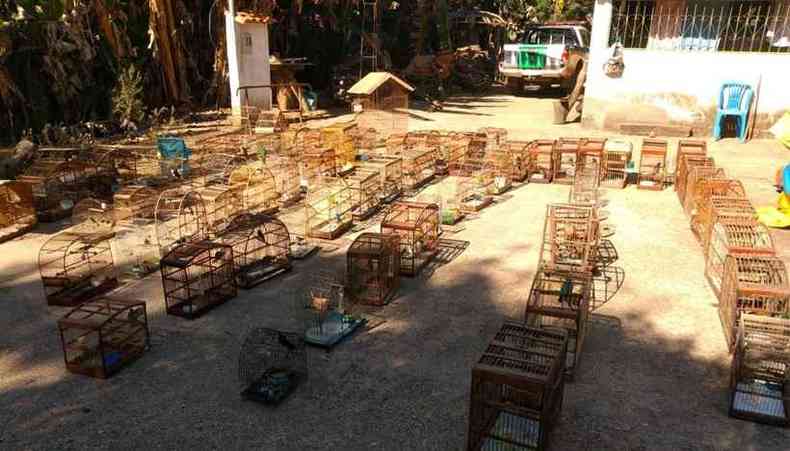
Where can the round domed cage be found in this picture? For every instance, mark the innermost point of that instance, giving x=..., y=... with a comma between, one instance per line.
x=17, y=215
x=257, y=186
x=93, y=215
x=272, y=365
x=58, y=185
x=261, y=247
x=180, y=217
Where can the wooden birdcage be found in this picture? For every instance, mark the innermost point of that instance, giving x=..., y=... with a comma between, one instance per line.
x=499, y=163
x=570, y=238
x=688, y=147
x=17, y=213
x=340, y=138
x=272, y=365
x=615, y=168
x=693, y=181
x=755, y=285
x=419, y=167
x=495, y=138
x=520, y=161
x=591, y=150
x=452, y=154
x=734, y=235
x=475, y=191
x=585, y=183
x=257, y=186
x=541, y=154
x=417, y=225
x=180, y=217
x=317, y=163
x=566, y=152
x=261, y=247
x=562, y=300
x=390, y=171
x=328, y=210
x=367, y=191
x=222, y=203
x=704, y=189
x=760, y=372
x=517, y=389
x=686, y=165
x=101, y=336
x=286, y=179
x=718, y=208
x=58, y=185
x=93, y=216
x=473, y=160
x=76, y=267
x=653, y=164
x=373, y=268
x=135, y=202
x=212, y=169
x=196, y=277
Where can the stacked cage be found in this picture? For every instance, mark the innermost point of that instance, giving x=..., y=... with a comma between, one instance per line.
x=696, y=176
x=373, y=268
x=417, y=225
x=686, y=165
x=653, y=164
x=704, y=191
x=719, y=208
x=272, y=365
x=541, y=156
x=694, y=147
x=261, y=248
x=566, y=153
x=17, y=213
x=734, y=235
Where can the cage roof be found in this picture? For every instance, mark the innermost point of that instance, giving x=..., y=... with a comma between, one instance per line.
x=375, y=80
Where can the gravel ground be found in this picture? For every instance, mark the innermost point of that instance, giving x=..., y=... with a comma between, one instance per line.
x=653, y=374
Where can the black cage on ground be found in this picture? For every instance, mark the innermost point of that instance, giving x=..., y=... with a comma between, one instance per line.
x=272, y=364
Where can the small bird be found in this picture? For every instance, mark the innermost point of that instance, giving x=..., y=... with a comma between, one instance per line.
x=261, y=236
x=219, y=254
x=284, y=341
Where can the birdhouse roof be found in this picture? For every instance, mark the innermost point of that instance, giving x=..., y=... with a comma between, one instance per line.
x=373, y=81
x=245, y=17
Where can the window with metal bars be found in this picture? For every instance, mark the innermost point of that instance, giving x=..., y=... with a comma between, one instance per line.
x=702, y=25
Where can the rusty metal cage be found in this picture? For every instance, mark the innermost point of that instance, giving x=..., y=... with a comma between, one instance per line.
x=517, y=389
x=614, y=173
x=272, y=365
x=688, y=147
x=373, y=268
x=328, y=210
x=561, y=300
x=58, y=185
x=687, y=163
x=570, y=238
x=566, y=152
x=101, y=336
x=257, y=186
x=760, y=372
x=704, y=190
x=390, y=171
x=696, y=174
x=261, y=248
x=367, y=193
x=196, y=277
x=542, y=162
x=718, y=208
x=755, y=285
x=520, y=161
x=419, y=167
x=734, y=235
x=17, y=213
x=417, y=225
x=653, y=164
x=180, y=216
x=76, y=267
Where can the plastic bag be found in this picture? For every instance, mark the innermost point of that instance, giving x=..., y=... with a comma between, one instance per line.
x=781, y=130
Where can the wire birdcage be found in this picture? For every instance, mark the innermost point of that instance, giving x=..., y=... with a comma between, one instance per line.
x=419, y=167
x=653, y=164
x=417, y=225
x=390, y=171
x=520, y=161
x=93, y=215
x=328, y=316
x=272, y=365
x=222, y=203
x=696, y=174
x=566, y=152
x=734, y=235
x=287, y=179
x=373, y=268
x=180, y=217
x=542, y=160
x=58, y=185
x=499, y=163
x=261, y=247
x=328, y=209
x=17, y=213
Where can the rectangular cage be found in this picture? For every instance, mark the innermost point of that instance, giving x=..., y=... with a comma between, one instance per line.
x=419, y=167
x=734, y=235
x=704, y=190
x=566, y=152
x=541, y=155
x=562, y=300
x=197, y=277
x=473, y=160
x=653, y=164
x=287, y=178
x=328, y=210
x=417, y=225
x=17, y=213
x=390, y=171
x=340, y=138
x=317, y=163
x=591, y=151
x=687, y=163
x=322, y=306
x=499, y=163
x=373, y=268
x=101, y=336
x=585, y=183
x=222, y=203
x=261, y=248
x=495, y=137
x=695, y=147
x=452, y=153
x=520, y=161
x=258, y=188
x=615, y=168
x=719, y=208
x=58, y=185
x=76, y=267
x=696, y=175
x=368, y=193
x=570, y=238
x=135, y=203
x=755, y=285
x=760, y=371
x=517, y=389
x=474, y=191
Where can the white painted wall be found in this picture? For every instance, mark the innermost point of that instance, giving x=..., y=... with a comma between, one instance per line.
x=248, y=63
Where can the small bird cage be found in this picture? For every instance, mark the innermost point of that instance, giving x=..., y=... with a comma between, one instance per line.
x=317, y=163
x=561, y=300
x=419, y=167
x=390, y=171
x=180, y=217
x=694, y=147
x=566, y=152
x=615, y=165
x=451, y=154
x=222, y=203
x=721, y=207
x=475, y=191
x=591, y=150
x=474, y=158
x=58, y=185
x=17, y=214
x=93, y=215
x=755, y=285
x=261, y=247
x=449, y=197
x=687, y=163
x=696, y=174
x=373, y=268
x=704, y=190
x=212, y=168
x=257, y=186
x=495, y=138
x=517, y=389
x=286, y=179
x=272, y=365
x=328, y=210
x=653, y=164
x=499, y=163
x=101, y=336
x=760, y=371
x=126, y=162
x=76, y=266
x=339, y=137
x=585, y=183
x=541, y=154
x=570, y=238
x=196, y=277
x=417, y=224
x=734, y=235
x=135, y=202
x=520, y=161
x=328, y=317
x=367, y=190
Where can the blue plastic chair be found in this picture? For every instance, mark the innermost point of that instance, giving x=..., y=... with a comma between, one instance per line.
x=734, y=100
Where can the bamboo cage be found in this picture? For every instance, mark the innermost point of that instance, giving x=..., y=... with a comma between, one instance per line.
x=101, y=336
x=286, y=179
x=196, y=277
x=390, y=171
x=570, y=238
x=317, y=163
x=417, y=225
x=688, y=147
x=257, y=186
x=419, y=167
x=718, y=208
x=328, y=210
x=696, y=174
x=475, y=191
x=395, y=143
x=760, y=371
x=93, y=215
x=135, y=202
x=495, y=138
x=452, y=153
x=340, y=138
x=734, y=235
x=752, y=284
x=222, y=203
x=591, y=150
x=261, y=248
x=517, y=389
x=520, y=161
x=541, y=154
x=585, y=183
x=373, y=268
x=704, y=190
x=615, y=168
x=58, y=185
x=272, y=365
x=473, y=160
x=687, y=163
x=180, y=217
x=17, y=213
x=367, y=193
x=566, y=152
x=76, y=267
x=562, y=300
x=653, y=164
x=213, y=169
x=448, y=195
x=499, y=163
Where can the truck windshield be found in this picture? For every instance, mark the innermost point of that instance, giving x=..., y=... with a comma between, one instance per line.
x=550, y=36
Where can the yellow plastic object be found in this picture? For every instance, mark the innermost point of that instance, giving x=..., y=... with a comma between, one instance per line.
x=777, y=218
x=781, y=130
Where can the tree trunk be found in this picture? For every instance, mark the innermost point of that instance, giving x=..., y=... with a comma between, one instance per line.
x=164, y=32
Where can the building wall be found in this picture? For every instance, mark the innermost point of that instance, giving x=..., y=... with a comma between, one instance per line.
x=254, y=68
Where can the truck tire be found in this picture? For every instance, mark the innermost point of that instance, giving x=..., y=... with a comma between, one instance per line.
x=516, y=86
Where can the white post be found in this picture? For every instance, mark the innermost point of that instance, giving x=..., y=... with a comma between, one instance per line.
x=602, y=21
x=233, y=60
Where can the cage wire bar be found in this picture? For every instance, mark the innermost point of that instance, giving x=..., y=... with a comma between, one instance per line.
x=704, y=190
x=328, y=209
x=499, y=163
x=92, y=215
x=570, y=238
x=518, y=151
x=566, y=152
x=222, y=203
x=542, y=161
x=686, y=165
x=180, y=216
x=390, y=171
x=417, y=225
x=696, y=174
x=261, y=248
x=257, y=186
x=367, y=193
x=734, y=235
x=272, y=364
x=720, y=207
x=373, y=268
x=653, y=164
x=17, y=213
x=688, y=147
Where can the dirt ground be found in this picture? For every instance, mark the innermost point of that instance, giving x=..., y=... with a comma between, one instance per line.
x=653, y=374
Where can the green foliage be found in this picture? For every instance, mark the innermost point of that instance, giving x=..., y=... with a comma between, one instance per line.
x=127, y=99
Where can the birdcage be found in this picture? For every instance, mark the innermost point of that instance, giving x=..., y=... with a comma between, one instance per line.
x=76, y=267
x=452, y=153
x=373, y=268
x=367, y=193
x=653, y=164
x=213, y=169
x=272, y=365
x=286, y=179
x=760, y=371
x=591, y=150
x=570, y=238
x=696, y=175
x=704, y=190
x=390, y=171
x=419, y=167
x=241, y=144
x=325, y=312
x=566, y=152
x=261, y=247
x=687, y=163
x=520, y=161
x=63, y=153
x=585, y=183
x=755, y=285
x=93, y=215
x=257, y=187
x=417, y=225
x=101, y=336
x=196, y=277
x=499, y=163
x=541, y=154
x=17, y=214
x=58, y=185
x=495, y=138
x=561, y=300
x=688, y=147
x=328, y=210
x=180, y=216
x=615, y=166
x=317, y=163
x=133, y=202
x=718, y=208
x=517, y=389
x=340, y=138
x=475, y=191
x=734, y=235
x=222, y=203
